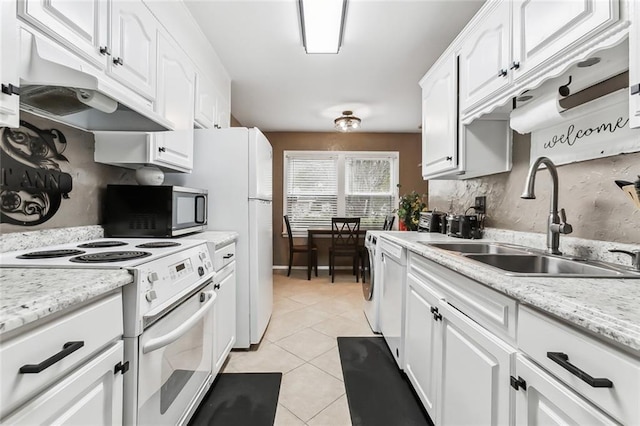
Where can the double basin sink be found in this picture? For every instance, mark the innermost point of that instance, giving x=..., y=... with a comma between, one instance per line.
x=523, y=261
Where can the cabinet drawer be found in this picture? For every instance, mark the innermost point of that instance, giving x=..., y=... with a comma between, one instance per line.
x=539, y=335
x=223, y=256
x=489, y=308
x=94, y=325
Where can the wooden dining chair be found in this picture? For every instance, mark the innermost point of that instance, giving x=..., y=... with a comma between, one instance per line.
x=388, y=222
x=345, y=232
x=300, y=248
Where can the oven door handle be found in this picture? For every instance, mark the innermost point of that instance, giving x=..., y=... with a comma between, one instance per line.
x=159, y=342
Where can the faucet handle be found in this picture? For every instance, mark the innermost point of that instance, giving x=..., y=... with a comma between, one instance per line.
x=635, y=256
x=564, y=227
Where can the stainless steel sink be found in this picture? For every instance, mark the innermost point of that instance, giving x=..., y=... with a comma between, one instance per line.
x=476, y=247
x=549, y=266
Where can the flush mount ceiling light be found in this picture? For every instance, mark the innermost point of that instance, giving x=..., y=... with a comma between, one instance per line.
x=347, y=123
x=322, y=23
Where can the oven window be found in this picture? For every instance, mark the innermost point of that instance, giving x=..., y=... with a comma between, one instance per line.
x=180, y=361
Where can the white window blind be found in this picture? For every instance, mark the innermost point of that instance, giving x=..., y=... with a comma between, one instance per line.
x=320, y=185
x=369, y=192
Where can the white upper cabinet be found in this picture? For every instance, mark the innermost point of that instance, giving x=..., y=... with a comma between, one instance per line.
x=205, y=102
x=176, y=84
x=223, y=111
x=9, y=99
x=485, y=56
x=634, y=65
x=440, y=119
x=81, y=26
x=134, y=32
x=542, y=30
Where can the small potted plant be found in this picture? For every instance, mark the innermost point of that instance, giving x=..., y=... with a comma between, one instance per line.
x=409, y=209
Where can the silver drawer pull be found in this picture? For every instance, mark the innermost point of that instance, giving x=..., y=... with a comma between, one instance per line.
x=228, y=256
x=562, y=360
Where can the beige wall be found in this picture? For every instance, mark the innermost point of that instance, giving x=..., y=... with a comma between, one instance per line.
x=89, y=180
x=407, y=144
x=594, y=204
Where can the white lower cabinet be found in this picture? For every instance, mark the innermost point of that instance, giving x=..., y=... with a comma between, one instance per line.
x=544, y=401
x=634, y=65
x=460, y=371
x=91, y=395
x=224, y=315
x=67, y=370
x=422, y=340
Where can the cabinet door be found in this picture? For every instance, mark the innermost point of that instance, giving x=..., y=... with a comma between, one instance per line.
x=543, y=30
x=173, y=149
x=80, y=25
x=546, y=402
x=476, y=370
x=225, y=318
x=484, y=57
x=440, y=120
x=223, y=112
x=133, y=46
x=422, y=343
x=205, y=102
x=634, y=65
x=176, y=84
x=9, y=102
x=91, y=395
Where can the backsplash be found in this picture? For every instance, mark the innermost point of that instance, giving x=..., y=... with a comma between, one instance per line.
x=70, y=162
x=595, y=206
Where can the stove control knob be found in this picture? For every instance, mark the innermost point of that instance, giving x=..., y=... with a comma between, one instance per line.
x=152, y=277
x=151, y=296
x=200, y=270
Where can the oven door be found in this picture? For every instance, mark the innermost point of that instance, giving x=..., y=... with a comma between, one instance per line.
x=189, y=210
x=175, y=356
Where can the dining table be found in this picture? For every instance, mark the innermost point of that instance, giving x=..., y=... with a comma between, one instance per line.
x=321, y=232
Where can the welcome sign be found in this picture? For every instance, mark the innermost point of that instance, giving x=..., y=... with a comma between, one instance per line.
x=599, y=128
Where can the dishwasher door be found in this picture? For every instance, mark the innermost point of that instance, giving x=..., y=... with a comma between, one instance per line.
x=392, y=280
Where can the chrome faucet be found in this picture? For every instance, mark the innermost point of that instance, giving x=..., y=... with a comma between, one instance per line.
x=635, y=256
x=557, y=224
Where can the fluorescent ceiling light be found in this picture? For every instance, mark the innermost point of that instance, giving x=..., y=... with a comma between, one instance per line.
x=322, y=23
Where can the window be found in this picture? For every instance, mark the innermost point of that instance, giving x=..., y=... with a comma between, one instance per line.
x=319, y=185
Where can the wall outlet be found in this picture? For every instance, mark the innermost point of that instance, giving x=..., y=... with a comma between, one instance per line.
x=481, y=205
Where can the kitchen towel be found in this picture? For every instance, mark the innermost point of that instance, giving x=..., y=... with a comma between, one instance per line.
x=377, y=391
x=240, y=399
x=537, y=114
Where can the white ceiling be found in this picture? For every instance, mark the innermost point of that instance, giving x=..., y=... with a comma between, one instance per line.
x=388, y=45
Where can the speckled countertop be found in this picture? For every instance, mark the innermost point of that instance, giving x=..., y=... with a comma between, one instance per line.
x=29, y=294
x=608, y=308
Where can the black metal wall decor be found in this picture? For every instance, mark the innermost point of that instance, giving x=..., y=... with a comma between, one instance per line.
x=32, y=184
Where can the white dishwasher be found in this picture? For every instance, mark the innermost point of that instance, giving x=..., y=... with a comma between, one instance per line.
x=393, y=265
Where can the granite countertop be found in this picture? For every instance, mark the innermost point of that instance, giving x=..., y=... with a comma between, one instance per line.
x=29, y=294
x=607, y=308
x=217, y=239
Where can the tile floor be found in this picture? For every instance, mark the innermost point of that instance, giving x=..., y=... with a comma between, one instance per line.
x=300, y=342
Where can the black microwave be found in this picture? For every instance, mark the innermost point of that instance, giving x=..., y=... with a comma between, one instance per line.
x=154, y=211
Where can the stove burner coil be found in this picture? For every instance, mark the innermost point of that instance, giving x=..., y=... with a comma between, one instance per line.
x=49, y=254
x=159, y=244
x=103, y=244
x=110, y=256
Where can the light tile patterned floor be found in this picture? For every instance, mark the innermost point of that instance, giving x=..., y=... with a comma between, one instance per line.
x=300, y=342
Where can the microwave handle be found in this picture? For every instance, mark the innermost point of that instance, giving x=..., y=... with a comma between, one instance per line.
x=174, y=335
x=204, y=206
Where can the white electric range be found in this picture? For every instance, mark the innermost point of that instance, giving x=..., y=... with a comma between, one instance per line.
x=168, y=317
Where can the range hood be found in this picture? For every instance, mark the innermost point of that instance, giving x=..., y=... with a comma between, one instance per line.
x=56, y=84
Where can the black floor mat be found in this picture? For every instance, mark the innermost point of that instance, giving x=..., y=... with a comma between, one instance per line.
x=240, y=399
x=377, y=391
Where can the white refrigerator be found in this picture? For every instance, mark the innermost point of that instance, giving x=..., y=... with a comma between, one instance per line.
x=235, y=165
